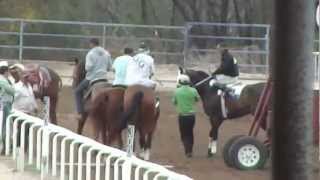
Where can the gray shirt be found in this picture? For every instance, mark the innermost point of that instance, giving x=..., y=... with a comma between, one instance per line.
x=98, y=62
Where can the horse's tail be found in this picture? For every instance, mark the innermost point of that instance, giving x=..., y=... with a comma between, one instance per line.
x=135, y=104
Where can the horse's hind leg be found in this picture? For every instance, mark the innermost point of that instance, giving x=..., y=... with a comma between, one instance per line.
x=142, y=142
x=213, y=136
x=148, y=147
x=81, y=123
x=52, y=109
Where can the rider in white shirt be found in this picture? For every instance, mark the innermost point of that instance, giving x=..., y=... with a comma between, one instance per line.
x=141, y=69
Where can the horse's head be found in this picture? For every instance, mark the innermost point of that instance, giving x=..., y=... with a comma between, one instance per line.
x=195, y=76
x=79, y=72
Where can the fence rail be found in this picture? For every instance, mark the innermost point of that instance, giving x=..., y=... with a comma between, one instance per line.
x=94, y=160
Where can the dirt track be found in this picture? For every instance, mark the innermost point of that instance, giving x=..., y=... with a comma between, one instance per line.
x=167, y=148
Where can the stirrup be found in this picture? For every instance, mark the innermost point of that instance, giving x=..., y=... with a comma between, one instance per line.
x=157, y=102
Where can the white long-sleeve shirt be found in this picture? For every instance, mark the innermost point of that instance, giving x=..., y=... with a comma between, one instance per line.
x=24, y=99
x=140, y=70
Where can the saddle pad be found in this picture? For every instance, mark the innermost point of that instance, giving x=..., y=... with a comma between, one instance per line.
x=95, y=87
x=237, y=88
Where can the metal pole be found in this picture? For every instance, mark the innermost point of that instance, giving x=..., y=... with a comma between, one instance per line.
x=130, y=140
x=45, y=141
x=21, y=40
x=104, y=36
x=186, y=43
x=292, y=46
x=267, y=49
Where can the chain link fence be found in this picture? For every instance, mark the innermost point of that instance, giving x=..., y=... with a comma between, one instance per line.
x=248, y=43
x=62, y=40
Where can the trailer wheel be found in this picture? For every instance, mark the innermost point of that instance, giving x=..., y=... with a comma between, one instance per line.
x=226, y=150
x=247, y=153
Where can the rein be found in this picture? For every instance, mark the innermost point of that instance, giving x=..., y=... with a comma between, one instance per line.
x=203, y=81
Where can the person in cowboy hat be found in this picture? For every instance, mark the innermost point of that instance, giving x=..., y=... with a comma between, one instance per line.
x=24, y=99
x=185, y=98
x=7, y=94
x=141, y=68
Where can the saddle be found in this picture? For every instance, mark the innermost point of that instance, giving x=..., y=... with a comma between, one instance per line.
x=94, y=87
x=38, y=76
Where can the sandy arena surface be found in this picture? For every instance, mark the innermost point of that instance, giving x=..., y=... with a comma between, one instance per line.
x=167, y=148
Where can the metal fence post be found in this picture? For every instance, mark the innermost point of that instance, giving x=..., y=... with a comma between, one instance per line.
x=21, y=40
x=45, y=141
x=267, y=49
x=186, y=43
x=104, y=36
x=130, y=140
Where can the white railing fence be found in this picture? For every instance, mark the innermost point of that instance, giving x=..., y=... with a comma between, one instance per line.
x=52, y=148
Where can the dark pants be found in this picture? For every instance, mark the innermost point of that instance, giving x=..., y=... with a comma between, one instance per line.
x=79, y=92
x=186, y=125
x=6, y=113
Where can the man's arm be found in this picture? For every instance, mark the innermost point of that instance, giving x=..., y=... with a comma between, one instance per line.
x=89, y=62
x=7, y=88
x=109, y=62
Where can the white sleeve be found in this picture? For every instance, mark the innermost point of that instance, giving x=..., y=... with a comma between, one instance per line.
x=89, y=63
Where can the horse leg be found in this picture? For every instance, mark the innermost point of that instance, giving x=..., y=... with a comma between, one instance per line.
x=142, y=142
x=148, y=147
x=213, y=136
x=52, y=111
x=81, y=123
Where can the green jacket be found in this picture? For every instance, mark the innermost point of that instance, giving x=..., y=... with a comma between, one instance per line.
x=6, y=90
x=184, y=99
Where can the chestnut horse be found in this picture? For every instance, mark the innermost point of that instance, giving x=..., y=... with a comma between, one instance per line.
x=142, y=111
x=104, y=106
x=45, y=82
x=105, y=113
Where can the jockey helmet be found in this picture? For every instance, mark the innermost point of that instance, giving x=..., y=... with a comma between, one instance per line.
x=183, y=79
x=143, y=48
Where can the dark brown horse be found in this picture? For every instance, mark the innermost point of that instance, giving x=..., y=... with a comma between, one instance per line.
x=140, y=110
x=45, y=82
x=211, y=102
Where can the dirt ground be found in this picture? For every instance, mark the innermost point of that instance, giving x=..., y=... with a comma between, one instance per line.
x=167, y=148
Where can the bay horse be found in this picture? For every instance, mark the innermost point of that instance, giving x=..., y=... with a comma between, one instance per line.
x=45, y=82
x=211, y=102
x=141, y=110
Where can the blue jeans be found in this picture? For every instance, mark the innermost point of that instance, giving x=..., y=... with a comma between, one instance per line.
x=79, y=92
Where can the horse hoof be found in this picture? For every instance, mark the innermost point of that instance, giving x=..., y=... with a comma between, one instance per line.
x=210, y=154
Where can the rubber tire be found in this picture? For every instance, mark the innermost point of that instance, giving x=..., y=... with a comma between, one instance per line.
x=226, y=150
x=245, y=140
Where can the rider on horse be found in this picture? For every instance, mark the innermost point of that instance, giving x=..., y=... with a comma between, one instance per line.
x=141, y=68
x=227, y=73
x=120, y=65
x=97, y=63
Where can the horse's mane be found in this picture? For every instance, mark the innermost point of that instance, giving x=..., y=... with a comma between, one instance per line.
x=80, y=71
x=196, y=75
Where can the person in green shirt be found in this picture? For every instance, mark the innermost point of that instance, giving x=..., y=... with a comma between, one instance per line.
x=6, y=95
x=185, y=97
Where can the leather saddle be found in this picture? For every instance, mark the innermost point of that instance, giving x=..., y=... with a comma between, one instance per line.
x=95, y=86
x=38, y=76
